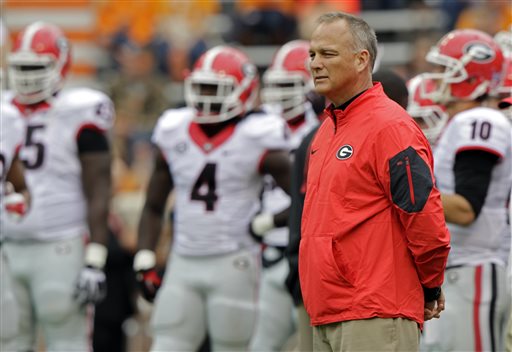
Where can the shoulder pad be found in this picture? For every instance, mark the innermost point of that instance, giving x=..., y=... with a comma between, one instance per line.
x=172, y=118
x=8, y=111
x=259, y=124
x=12, y=121
x=7, y=96
x=90, y=106
x=482, y=127
x=169, y=122
x=80, y=97
x=266, y=129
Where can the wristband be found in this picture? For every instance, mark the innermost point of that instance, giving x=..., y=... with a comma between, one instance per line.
x=95, y=255
x=144, y=259
x=262, y=223
x=431, y=294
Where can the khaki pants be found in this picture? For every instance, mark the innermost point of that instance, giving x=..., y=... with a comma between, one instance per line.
x=305, y=330
x=374, y=334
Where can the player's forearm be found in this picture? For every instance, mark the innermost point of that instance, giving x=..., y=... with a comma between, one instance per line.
x=457, y=210
x=16, y=178
x=98, y=210
x=281, y=218
x=150, y=227
x=97, y=189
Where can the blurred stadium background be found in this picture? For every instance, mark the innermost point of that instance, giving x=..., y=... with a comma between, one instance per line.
x=139, y=51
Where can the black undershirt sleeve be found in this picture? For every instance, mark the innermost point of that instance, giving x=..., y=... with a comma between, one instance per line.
x=92, y=140
x=473, y=170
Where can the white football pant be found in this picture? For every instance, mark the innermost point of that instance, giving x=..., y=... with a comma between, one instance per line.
x=215, y=294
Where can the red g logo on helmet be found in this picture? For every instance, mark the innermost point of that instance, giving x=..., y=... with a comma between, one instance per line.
x=479, y=52
x=472, y=63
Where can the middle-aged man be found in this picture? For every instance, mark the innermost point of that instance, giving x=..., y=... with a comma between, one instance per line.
x=374, y=240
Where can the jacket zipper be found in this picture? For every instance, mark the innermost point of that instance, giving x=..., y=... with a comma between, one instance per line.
x=409, y=179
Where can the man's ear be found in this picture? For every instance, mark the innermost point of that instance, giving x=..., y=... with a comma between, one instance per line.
x=362, y=60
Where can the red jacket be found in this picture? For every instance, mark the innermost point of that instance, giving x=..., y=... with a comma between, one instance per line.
x=373, y=229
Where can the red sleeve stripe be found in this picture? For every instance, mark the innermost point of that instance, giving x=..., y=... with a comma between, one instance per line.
x=89, y=126
x=17, y=149
x=484, y=149
x=262, y=159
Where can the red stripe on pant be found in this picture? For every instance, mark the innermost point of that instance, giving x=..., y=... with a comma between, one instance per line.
x=476, y=308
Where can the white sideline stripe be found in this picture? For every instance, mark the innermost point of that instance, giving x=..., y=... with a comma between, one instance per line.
x=67, y=19
x=393, y=53
x=404, y=20
x=88, y=53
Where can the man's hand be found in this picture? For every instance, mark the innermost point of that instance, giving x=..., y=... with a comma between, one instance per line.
x=91, y=285
x=15, y=204
x=260, y=225
x=148, y=278
x=434, y=308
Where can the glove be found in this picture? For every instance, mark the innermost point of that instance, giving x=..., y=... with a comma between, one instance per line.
x=148, y=278
x=260, y=225
x=15, y=206
x=91, y=285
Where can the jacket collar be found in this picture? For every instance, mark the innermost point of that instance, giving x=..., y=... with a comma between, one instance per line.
x=339, y=115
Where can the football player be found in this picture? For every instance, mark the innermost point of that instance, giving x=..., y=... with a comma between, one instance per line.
x=473, y=172
x=286, y=86
x=57, y=251
x=429, y=116
x=213, y=154
x=14, y=197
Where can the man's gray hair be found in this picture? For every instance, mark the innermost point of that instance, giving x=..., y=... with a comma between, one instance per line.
x=364, y=35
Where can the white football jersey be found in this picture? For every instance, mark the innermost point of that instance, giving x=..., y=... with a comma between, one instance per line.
x=274, y=199
x=217, y=181
x=52, y=165
x=11, y=139
x=485, y=129
x=11, y=136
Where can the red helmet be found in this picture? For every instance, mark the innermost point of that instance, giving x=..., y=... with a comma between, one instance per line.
x=504, y=40
x=39, y=62
x=430, y=117
x=472, y=64
x=288, y=79
x=223, y=84
x=504, y=88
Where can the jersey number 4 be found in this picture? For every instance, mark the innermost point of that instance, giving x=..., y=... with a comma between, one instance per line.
x=205, y=186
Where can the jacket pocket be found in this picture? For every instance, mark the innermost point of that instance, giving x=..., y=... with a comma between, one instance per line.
x=344, y=266
x=325, y=289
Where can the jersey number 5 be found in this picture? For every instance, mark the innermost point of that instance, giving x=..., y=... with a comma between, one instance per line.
x=37, y=148
x=204, y=188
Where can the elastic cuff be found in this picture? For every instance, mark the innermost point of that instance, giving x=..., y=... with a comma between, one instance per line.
x=144, y=259
x=96, y=255
x=431, y=294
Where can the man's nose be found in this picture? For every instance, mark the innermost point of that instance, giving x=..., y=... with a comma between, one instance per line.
x=314, y=63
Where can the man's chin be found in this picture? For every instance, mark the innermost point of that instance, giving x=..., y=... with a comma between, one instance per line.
x=321, y=89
